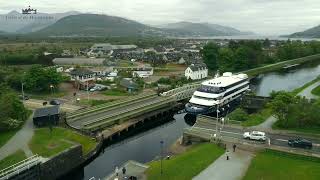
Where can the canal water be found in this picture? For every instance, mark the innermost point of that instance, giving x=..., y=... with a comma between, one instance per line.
x=145, y=146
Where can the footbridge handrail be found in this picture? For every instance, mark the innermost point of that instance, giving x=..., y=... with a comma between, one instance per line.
x=19, y=167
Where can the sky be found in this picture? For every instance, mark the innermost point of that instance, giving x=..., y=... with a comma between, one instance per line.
x=265, y=17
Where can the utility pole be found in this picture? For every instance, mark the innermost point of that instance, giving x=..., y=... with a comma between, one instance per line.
x=217, y=119
x=22, y=83
x=161, y=155
x=88, y=90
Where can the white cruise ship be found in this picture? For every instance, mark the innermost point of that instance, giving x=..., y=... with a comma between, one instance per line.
x=217, y=93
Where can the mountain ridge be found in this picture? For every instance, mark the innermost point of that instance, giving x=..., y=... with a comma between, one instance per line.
x=313, y=32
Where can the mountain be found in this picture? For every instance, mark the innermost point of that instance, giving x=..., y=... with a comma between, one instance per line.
x=204, y=29
x=309, y=33
x=104, y=25
x=15, y=22
x=97, y=25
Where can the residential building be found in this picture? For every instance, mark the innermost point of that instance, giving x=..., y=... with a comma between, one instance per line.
x=196, y=71
x=142, y=72
x=129, y=84
x=82, y=78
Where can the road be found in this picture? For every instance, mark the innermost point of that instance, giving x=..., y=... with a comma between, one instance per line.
x=35, y=103
x=90, y=117
x=237, y=133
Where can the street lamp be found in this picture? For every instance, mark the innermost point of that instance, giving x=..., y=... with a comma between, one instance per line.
x=161, y=154
x=51, y=87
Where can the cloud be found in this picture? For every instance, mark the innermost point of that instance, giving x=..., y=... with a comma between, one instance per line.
x=261, y=16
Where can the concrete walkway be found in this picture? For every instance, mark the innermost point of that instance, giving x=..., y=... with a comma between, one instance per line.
x=232, y=169
x=307, y=92
x=266, y=125
x=19, y=141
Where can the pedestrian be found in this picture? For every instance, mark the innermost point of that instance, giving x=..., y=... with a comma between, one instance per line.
x=234, y=147
x=269, y=141
x=124, y=170
x=227, y=153
x=117, y=171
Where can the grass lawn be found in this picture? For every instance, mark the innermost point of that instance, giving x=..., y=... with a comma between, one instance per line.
x=271, y=165
x=5, y=136
x=186, y=165
x=257, y=118
x=116, y=92
x=12, y=159
x=46, y=144
x=316, y=91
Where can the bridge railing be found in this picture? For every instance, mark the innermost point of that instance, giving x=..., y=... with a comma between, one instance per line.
x=19, y=167
x=107, y=105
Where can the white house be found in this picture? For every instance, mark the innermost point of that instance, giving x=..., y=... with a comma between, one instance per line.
x=196, y=71
x=142, y=72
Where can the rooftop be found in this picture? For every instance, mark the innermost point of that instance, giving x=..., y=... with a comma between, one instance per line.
x=225, y=80
x=50, y=110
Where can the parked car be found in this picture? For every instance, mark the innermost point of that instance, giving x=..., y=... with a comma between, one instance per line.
x=301, y=143
x=25, y=97
x=55, y=102
x=255, y=135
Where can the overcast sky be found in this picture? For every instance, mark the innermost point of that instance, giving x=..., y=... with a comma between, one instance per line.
x=265, y=17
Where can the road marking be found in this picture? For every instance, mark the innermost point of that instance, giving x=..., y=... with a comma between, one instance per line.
x=284, y=140
x=231, y=132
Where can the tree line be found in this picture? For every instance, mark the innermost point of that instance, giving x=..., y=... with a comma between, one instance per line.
x=248, y=54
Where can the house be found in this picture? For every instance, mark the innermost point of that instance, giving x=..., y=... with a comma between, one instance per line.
x=129, y=84
x=142, y=72
x=46, y=116
x=196, y=71
x=181, y=61
x=82, y=78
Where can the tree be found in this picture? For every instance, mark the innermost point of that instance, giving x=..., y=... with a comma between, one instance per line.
x=13, y=113
x=226, y=59
x=40, y=79
x=280, y=106
x=210, y=55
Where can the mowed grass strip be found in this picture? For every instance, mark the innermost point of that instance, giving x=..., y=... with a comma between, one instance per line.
x=186, y=165
x=269, y=165
x=316, y=91
x=6, y=135
x=47, y=144
x=12, y=159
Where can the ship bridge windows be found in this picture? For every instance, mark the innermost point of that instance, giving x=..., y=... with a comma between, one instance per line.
x=206, y=98
x=211, y=89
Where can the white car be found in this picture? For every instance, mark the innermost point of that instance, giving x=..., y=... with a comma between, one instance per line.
x=255, y=135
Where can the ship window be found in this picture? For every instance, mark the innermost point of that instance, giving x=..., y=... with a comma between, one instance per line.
x=210, y=89
x=205, y=98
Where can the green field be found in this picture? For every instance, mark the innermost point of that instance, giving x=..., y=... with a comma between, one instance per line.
x=48, y=144
x=12, y=159
x=116, y=92
x=316, y=91
x=94, y=102
x=186, y=165
x=5, y=136
x=271, y=165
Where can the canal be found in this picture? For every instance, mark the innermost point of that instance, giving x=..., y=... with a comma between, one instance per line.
x=145, y=146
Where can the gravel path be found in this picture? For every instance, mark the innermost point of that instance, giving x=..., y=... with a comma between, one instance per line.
x=19, y=141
